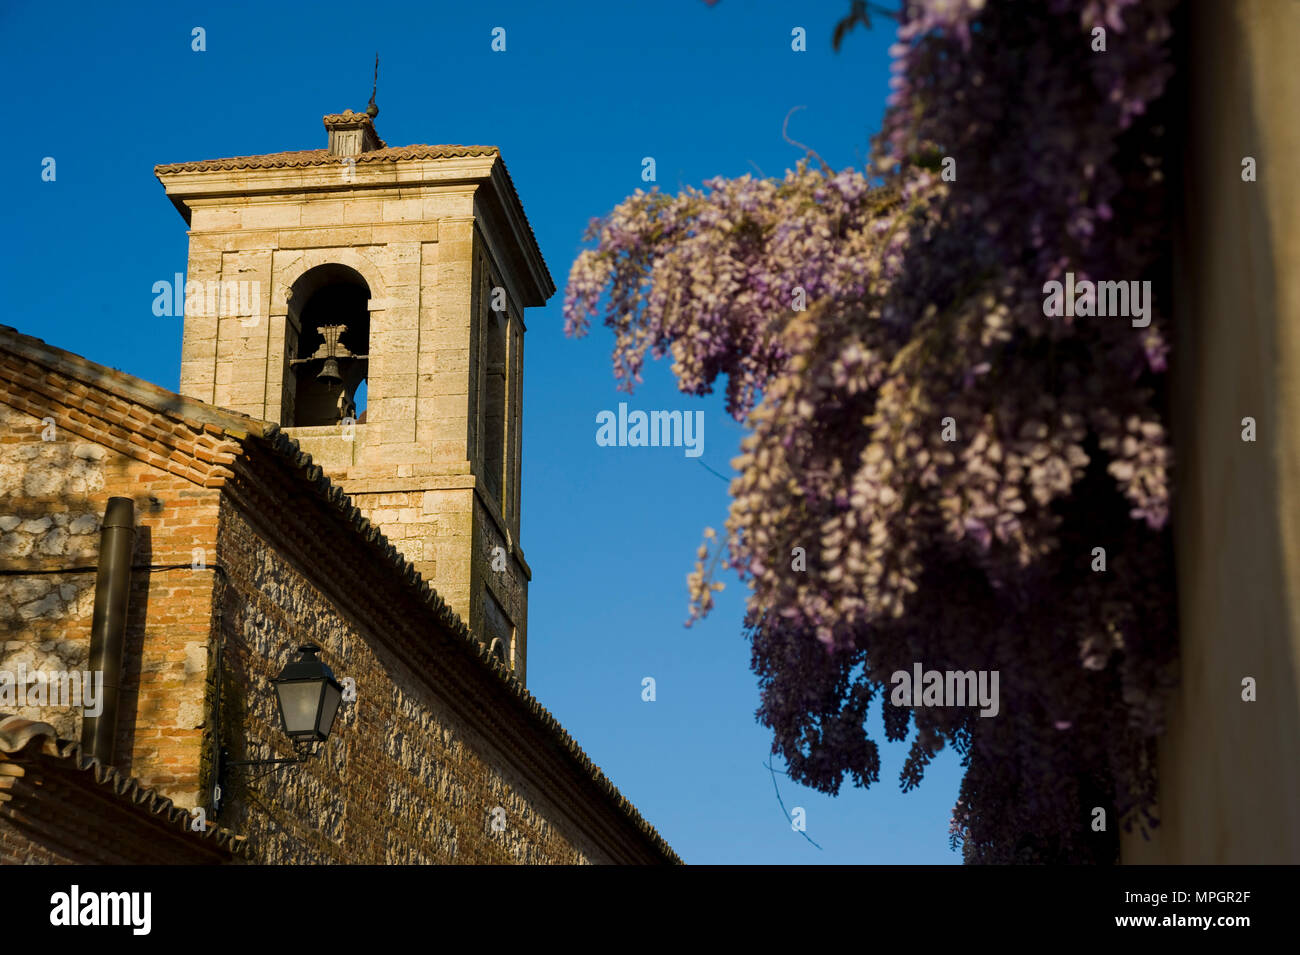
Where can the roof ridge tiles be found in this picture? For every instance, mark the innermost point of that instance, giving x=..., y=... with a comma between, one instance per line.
x=321, y=157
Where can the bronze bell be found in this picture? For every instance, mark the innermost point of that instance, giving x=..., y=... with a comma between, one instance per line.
x=330, y=370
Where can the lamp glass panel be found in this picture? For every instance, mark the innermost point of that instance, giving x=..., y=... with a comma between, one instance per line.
x=300, y=702
x=329, y=709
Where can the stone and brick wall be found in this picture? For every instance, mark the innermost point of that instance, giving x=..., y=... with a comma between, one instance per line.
x=55, y=483
x=435, y=740
x=439, y=737
x=407, y=776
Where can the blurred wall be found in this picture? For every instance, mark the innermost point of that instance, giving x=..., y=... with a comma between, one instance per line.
x=1230, y=770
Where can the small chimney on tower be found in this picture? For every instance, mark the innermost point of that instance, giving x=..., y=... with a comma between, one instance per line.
x=351, y=134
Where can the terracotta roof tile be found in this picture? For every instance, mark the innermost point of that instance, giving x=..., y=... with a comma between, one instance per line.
x=21, y=737
x=322, y=157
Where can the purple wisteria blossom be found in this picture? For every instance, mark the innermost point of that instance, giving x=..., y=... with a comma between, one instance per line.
x=950, y=460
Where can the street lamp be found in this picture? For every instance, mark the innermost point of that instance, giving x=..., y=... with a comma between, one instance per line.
x=308, y=698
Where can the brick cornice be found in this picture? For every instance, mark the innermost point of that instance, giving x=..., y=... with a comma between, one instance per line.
x=103, y=409
x=126, y=387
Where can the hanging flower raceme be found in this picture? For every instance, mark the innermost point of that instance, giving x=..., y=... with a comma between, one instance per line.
x=941, y=470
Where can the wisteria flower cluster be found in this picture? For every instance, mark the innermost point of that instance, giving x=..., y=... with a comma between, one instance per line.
x=951, y=461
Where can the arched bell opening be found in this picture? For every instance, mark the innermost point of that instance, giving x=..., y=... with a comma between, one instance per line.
x=330, y=363
x=498, y=630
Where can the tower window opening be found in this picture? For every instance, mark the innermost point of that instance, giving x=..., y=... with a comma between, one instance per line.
x=331, y=362
x=499, y=631
x=494, y=411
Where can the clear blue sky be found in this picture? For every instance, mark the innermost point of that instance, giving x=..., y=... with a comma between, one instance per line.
x=582, y=93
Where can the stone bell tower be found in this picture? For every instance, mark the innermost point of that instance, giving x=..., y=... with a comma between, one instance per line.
x=370, y=299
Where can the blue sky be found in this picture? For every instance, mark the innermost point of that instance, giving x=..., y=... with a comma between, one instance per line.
x=582, y=93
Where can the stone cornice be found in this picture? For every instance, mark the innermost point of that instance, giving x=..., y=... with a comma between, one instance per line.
x=317, y=170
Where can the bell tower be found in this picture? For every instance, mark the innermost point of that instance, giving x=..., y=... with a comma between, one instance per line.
x=370, y=300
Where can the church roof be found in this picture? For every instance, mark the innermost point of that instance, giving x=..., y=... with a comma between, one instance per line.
x=29, y=741
x=37, y=366
x=323, y=157
x=306, y=158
